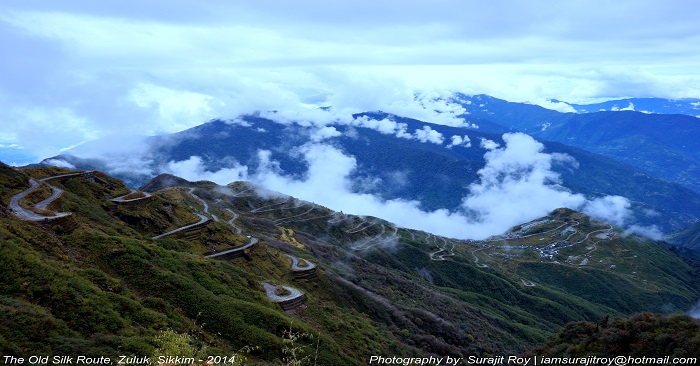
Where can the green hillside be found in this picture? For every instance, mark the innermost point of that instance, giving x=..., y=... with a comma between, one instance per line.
x=642, y=335
x=97, y=283
x=688, y=237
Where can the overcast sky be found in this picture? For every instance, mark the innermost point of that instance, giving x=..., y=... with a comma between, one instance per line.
x=74, y=71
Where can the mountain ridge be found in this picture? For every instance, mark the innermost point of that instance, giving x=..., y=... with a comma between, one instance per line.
x=408, y=169
x=664, y=145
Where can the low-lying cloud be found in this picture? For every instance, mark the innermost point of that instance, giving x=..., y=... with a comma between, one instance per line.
x=695, y=311
x=516, y=185
x=193, y=169
x=457, y=140
x=651, y=232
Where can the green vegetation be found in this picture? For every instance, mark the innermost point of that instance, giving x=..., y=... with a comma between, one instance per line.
x=688, y=237
x=644, y=334
x=102, y=287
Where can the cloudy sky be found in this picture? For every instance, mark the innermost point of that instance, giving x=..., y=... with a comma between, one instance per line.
x=78, y=70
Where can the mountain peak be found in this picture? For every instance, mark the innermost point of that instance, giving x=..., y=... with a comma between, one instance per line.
x=163, y=181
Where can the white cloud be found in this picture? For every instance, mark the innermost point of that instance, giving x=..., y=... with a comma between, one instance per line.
x=327, y=182
x=238, y=122
x=427, y=134
x=123, y=154
x=630, y=107
x=613, y=209
x=457, y=140
x=554, y=105
x=192, y=169
x=652, y=232
x=517, y=185
x=60, y=163
x=324, y=133
x=176, y=109
x=488, y=144
x=385, y=126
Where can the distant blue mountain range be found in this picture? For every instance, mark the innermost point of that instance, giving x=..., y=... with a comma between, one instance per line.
x=662, y=145
x=687, y=106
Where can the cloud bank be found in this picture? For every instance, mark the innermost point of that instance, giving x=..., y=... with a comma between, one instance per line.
x=516, y=185
x=79, y=72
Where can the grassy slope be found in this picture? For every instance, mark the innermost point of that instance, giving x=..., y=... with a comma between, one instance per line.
x=104, y=288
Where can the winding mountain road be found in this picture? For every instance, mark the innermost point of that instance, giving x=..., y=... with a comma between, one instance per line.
x=202, y=219
x=121, y=199
x=337, y=217
x=268, y=208
x=30, y=215
x=527, y=283
x=204, y=203
x=230, y=222
x=476, y=259
x=366, y=244
x=359, y=227
x=55, y=193
x=270, y=291
x=292, y=218
x=301, y=220
x=442, y=253
x=295, y=264
x=252, y=242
